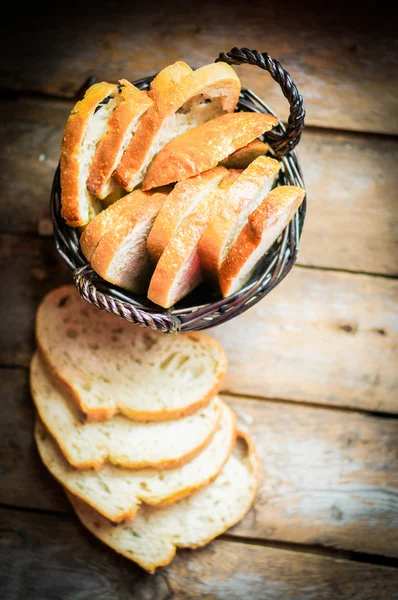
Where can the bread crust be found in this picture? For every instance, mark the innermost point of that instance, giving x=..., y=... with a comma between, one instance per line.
x=272, y=208
x=104, y=414
x=203, y=147
x=132, y=512
x=74, y=133
x=133, y=105
x=212, y=81
x=136, y=208
x=227, y=214
x=253, y=466
x=241, y=158
x=178, y=204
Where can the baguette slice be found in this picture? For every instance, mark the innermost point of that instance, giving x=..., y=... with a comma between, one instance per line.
x=152, y=538
x=85, y=127
x=178, y=270
x=194, y=98
x=182, y=201
x=108, y=365
x=120, y=130
x=265, y=225
x=121, y=255
x=203, y=147
x=120, y=441
x=117, y=493
x=240, y=159
x=230, y=214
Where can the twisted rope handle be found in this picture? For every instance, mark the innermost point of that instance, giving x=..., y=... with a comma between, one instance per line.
x=286, y=142
x=123, y=310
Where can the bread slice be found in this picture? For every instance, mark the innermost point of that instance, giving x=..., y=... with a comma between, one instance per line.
x=119, y=133
x=195, y=98
x=203, y=147
x=240, y=159
x=120, y=441
x=108, y=365
x=121, y=255
x=230, y=214
x=182, y=201
x=264, y=226
x=152, y=538
x=178, y=270
x=85, y=127
x=117, y=492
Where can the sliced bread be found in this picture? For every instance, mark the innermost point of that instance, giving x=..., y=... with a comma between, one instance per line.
x=194, y=98
x=230, y=214
x=121, y=255
x=119, y=133
x=152, y=538
x=108, y=365
x=117, y=492
x=119, y=440
x=178, y=270
x=182, y=201
x=85, y=127
x=203, y=147
x=240, y=159
x=264, y=226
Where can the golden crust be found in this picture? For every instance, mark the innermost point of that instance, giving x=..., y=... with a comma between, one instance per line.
x=241, y=158
x=203, y=147
x=133, y=105
x=74, y=133
x=175, y=208
x=136, y=207
x=271, y=209
x=214, y=80
x=228, y=210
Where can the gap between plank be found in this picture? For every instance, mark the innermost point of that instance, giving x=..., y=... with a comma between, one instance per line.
x=314, y=549
x=349, y=271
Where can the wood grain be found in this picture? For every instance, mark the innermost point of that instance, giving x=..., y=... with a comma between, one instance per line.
x=352, y=221
x=45, y=557
x=327, y=477
x=321, y=337
x=345, y=72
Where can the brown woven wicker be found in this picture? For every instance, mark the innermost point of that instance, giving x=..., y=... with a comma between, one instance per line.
x=203, y=308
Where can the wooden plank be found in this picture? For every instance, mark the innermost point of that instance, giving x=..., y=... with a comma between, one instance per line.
x=345, y=73
x=45, y=557
x=328, y=477
x=352, y=220
x=321, y=337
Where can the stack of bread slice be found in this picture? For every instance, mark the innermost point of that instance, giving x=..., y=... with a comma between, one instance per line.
x=198, y=180
x=129, y=422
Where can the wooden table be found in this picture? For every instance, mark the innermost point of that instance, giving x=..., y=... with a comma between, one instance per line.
x=312, y=368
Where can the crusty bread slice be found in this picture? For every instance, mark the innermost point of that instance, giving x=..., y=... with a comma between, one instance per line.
x=264, y=226
x=152, y=538
x=182, y=201
x=120, y=441
x=230, y=214
x=203, y=147
x=85, y=127
x=195, y=98
x=178, y=270
x=117, y=492
x=119, y=133
x=109, y=365
x=240, y=159
x=121, y=255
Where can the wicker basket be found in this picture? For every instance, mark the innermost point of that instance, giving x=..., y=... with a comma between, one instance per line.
x=203, y=308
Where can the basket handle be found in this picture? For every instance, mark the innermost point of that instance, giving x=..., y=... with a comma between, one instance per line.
x=285, y=142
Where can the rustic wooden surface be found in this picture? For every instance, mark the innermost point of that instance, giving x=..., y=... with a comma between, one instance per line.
x=312, y=370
